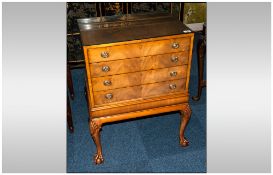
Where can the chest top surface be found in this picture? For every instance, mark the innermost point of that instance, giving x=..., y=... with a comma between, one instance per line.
x=103, y=30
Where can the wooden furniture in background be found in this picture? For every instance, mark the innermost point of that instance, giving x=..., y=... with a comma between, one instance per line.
x=201, y=52
x=136, y=66
x=71, y=92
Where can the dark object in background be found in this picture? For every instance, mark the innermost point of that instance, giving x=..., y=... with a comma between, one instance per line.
x=71, y=92
x=201, y=52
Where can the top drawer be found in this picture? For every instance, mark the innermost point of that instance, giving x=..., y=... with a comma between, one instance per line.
x=138, y=49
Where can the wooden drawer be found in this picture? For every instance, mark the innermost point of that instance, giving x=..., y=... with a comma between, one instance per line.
x=156, y=89
x=108, y=110
x=138, y=78
x=142, y=91
x=124, y=51
x=139, y=64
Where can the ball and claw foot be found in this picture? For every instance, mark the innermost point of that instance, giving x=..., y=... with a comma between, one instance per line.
x=95, y=127
x=71, y=129
x=184, y=142
x=196, y=98
x=98, y=159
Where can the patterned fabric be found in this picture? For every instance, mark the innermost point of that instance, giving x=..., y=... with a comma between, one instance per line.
x=74, y=48
x=113, y=8
x=194, y=13
x=163, y=7
x=142, y=7
x=75, y=11
x=79, y=10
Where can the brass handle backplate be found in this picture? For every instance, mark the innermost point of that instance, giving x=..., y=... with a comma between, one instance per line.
x=172, y=86
x=173, y=73
x=104, y=54
x=109, y=96
x=174, y=59
x=107, y=82
x=105, y=68
x=175, y=45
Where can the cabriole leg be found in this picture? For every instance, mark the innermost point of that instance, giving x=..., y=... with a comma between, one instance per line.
x=185, y=117
x=95, y=127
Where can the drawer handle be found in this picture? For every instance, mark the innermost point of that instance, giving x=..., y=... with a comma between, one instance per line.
x=174, y=59
x=107, y=82
x=175, y=45
x=105, y=68
x=104, y=54
x=173, y=73
x=109, y=96
x=172, y=86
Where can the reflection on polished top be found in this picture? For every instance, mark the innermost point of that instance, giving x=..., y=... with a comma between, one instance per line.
x=111, y=29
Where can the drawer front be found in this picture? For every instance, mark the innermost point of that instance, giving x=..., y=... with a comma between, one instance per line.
x=138, y=78
x=163, y=88
x=101, y=54
x=142, y=91
x=139, y=64
x=117, y=95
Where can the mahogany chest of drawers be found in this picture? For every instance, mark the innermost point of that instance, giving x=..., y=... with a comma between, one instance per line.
x=136, y=65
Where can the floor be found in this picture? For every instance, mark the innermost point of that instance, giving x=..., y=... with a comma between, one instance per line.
x=143, y=145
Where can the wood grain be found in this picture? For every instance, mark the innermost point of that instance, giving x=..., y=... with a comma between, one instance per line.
x=88, y=81
x=140, y=106
x=138, y=50
x=142, y=91
x=138, y=78
x=139, y=64
x=155, y=89
x=189, y=62
x=139, y=101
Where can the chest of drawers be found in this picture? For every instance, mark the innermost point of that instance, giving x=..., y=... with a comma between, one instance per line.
x=136, y=67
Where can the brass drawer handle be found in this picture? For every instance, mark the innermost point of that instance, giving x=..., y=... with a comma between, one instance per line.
x=174, y=59
x=109, y=96
x=173, y=73
x=105, y=68
x=104, y=54
x=107, y=82
x=172, y=86
x=175, y=45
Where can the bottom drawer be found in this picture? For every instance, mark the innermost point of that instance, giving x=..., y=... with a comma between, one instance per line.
x=142, y=91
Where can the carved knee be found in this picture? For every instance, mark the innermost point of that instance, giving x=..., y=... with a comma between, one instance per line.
x=95, y=127
x=186, y=112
